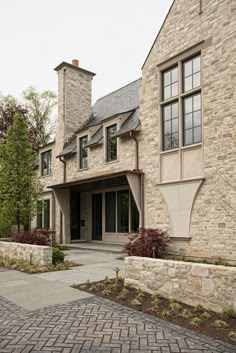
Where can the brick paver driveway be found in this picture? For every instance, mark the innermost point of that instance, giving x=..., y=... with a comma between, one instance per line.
x=95, y=325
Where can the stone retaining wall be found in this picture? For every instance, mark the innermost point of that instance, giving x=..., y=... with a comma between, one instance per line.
x=210, y=285
x=35, y=254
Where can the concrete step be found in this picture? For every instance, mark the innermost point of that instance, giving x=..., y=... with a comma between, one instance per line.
x=94, y=246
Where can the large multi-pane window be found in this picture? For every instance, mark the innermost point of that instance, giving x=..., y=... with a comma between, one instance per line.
x=181, y=105
x=170, y=83
x=192, y=120
x=111, y=145
x=110, y=201
x=121, y=213
x=171, y=126
x=43, y=213
x=46, y=163
x=83, y=152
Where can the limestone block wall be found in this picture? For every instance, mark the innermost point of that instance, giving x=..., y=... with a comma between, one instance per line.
x=210, y=285
x=212, y=231
x=97, y=165
x=35, y=254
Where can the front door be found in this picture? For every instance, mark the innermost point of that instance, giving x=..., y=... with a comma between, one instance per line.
x=97, y=217
x=75, y=215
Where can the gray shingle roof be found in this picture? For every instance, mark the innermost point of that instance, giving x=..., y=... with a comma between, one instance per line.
x=130, y=124
x=121, y=101
x=97, y=138
x=70, y=148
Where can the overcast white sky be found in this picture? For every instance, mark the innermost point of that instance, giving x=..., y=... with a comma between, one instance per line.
x=109, y=37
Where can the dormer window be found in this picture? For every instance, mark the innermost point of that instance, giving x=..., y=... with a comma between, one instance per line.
x=111, y=143
x=46, y=163
x=83, y=152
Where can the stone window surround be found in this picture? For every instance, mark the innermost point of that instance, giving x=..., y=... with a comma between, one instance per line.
x=173, y=61
x=79, y=136
x=105, y=126
x=41, y=161
x=178, y=99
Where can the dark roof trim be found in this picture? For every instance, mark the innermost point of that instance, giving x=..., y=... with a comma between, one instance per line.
x=75, y=68
x=95, y=178
x=158, y=33
x=115, y=116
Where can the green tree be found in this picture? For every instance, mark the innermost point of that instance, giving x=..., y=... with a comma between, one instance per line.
x=19, y=185
x=38, y=111
x=40, y=107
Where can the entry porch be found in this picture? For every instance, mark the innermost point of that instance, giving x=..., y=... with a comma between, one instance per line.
x=102, y=208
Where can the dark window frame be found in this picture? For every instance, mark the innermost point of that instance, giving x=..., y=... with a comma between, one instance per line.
x=173, y=146
x=132, y=216
x=83, y=152
x=43, y=213
x=180, y=99
x=48, y=160
x=170, y=70
x=110, y=144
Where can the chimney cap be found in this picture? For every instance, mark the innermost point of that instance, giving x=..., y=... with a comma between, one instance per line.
x=75, y=62
x=65, y=64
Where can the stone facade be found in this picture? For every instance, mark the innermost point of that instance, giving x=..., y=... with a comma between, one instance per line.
x=212, y=230
x=34, y=254
x=212, y=286
x=190, y=191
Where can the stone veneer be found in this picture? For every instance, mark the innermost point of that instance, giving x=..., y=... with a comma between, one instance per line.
x=212, y=231
x=35, y=254
x=191, y=283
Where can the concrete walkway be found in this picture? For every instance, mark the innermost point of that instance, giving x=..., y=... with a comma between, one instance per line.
x=31, y=293
x=34, y=291
x=96, y=265
x=41, y=313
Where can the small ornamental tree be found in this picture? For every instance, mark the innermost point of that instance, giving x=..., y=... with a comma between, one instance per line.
x=147, y=242
x=19, y=186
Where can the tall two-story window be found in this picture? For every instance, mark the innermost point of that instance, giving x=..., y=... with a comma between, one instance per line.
x=181, y=105
x=111, y=145
x=46, y=163
x=83, y=152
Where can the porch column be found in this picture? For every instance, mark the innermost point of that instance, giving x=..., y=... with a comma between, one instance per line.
x=63, y=198
x=135, y=183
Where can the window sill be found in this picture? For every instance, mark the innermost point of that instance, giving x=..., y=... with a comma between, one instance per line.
x=82, y=169
x=43, y=176
x=180, y=181
x=187, y=147
x=110, y=162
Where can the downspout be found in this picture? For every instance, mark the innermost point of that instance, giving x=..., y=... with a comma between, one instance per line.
x=64, y=168
x=141, y=178
x=64, y=180
x=136, y=150
x=60, y=159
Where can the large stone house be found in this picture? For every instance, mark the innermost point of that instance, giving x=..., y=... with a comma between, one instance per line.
x=159, y=152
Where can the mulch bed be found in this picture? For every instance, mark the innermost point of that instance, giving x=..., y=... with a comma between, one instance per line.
x=169, y=310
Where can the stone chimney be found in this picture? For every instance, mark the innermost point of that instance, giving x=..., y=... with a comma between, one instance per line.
x=74, y=99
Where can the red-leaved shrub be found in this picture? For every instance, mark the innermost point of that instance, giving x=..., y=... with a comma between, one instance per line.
x=31, y=237
x=147, y=243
